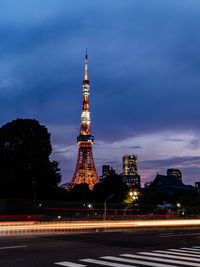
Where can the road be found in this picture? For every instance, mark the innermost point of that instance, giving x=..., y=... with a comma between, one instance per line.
x=87, y=249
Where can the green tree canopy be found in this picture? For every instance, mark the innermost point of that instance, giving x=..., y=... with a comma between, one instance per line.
x=25, y=167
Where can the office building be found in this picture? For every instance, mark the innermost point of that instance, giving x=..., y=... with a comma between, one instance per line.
x=197, y=186
x=175, y=173
x=107, y=170
x=130, y=171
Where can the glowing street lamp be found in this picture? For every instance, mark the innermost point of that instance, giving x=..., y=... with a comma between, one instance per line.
x=89, y=206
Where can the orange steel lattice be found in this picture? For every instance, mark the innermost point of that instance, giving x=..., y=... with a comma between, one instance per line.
x=85, y=169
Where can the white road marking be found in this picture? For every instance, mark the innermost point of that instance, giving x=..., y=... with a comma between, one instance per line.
x=13, y=247
x=69, y=264
x=193, y=249
x=169, y=256
x=169, y=233
x=184, y=250
x=107, y=263
x=156, y=258
x=165, y=234
x=177, y=253
x=161, y=259
x=136, y=261
x=198, y=234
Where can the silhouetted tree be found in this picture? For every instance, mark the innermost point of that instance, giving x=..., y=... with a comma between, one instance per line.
x=25, y=167
x=80, y=193
x=112, y=184
x=152, y=199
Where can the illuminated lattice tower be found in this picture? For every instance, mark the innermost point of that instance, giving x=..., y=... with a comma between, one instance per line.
x=85, y=169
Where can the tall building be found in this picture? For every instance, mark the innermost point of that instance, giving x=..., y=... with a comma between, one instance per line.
x=85, y=169
x=130, y=170
x=106, y=171
x=175, y=173
x=197, y=186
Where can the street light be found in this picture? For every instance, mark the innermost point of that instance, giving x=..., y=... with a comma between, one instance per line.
x=105, y=201
x=89, y=206
x=178, y=208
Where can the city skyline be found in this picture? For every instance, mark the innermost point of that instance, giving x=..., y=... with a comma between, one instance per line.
x=144, y=65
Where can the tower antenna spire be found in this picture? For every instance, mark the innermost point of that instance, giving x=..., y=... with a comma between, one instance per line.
x=86, y=68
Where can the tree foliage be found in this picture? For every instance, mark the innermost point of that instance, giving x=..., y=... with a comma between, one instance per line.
x=112, y=184
x=80, y=192
x=25, y=167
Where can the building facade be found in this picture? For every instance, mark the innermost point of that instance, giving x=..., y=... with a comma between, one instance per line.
x=197, y=186
x=107, y=170
x=175, y=173
x=130, y=170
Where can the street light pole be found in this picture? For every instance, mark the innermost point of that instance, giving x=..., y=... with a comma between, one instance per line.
x=134, y=196
x=105, y=202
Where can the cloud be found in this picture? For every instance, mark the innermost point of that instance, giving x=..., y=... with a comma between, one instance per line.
x=194, y=144
x=173, y=162
x=174, y=139
x=143, y=70
x=136, y=147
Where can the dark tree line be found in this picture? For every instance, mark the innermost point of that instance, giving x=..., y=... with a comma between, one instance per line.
x=111, y=185
x=25, y=168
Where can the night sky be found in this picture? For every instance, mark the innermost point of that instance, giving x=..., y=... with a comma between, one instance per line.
x=144, y=72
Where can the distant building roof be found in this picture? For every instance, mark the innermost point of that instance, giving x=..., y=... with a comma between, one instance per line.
x=163, y=181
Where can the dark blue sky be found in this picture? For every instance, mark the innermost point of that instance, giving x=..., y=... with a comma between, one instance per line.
x=144, y=71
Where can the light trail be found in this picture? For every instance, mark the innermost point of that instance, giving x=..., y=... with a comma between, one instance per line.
x=38, y=227
x=13, y=247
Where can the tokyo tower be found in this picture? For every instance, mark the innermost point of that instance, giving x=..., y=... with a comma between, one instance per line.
x=85, y=169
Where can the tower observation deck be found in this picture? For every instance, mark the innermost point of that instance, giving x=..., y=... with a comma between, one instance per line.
x=85, y=169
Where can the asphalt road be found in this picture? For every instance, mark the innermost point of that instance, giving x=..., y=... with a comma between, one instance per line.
x=71, y=248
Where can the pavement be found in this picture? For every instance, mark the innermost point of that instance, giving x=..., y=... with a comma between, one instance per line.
x=161, y=248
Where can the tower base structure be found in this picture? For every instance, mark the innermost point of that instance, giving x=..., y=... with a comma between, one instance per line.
x=85, y=169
